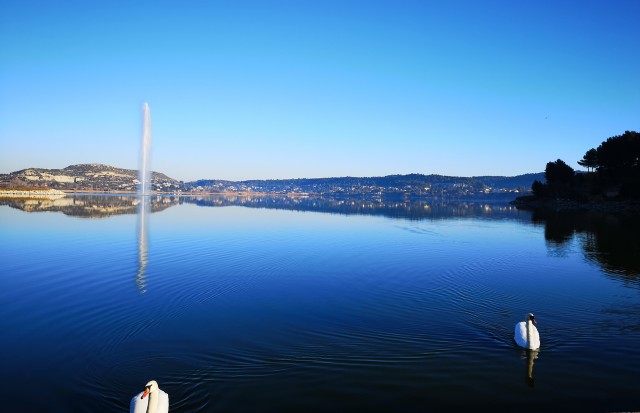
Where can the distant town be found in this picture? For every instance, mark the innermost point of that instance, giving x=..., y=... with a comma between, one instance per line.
x=105, y=178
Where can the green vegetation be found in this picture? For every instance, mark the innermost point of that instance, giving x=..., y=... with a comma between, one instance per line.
x=613, y=172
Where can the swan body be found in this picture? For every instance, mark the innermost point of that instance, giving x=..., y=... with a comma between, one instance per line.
x=526, y=334
x=156, y=402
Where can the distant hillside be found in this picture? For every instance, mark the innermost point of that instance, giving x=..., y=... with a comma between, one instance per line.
x=94, y=177
x=105, y=178
x=392, y=185
x=519, y=181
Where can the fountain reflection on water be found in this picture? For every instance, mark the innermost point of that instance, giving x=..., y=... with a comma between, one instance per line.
x=144, y=208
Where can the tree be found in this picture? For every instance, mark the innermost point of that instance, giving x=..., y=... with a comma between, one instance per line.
x=539, y=189
x=558, y=172
x=589, y=160
x=620, y=152
x=617, y=170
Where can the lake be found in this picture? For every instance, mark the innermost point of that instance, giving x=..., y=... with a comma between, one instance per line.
x=272, y=304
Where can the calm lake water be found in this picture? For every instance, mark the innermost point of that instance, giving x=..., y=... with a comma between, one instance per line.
x=280, y=304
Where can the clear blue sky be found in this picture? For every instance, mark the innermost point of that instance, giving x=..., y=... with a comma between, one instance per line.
x=286, y=89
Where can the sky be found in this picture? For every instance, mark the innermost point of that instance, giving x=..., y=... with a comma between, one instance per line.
x=316, y=88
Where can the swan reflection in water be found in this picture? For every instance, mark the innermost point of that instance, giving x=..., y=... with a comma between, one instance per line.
x=531, y=355
x=144, y=209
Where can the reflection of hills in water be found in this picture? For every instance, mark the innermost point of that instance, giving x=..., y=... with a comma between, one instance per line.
x=406, y=209
x=100, y=206
x=90, y=206
x=610, y=240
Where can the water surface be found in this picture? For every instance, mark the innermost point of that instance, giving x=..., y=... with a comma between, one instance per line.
x=267, y=304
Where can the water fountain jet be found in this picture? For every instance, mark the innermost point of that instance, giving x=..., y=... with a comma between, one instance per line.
x=144, y=175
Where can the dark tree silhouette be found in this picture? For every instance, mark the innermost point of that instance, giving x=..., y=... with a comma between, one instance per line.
x=620, y=152
x=589, y=160
x=558, y=172
x=617, y=165
x=539, y=189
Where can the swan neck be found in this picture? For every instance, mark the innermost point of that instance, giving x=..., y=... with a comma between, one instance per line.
x=153, y=402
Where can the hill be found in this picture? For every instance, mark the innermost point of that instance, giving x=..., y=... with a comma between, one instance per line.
x=412, y=185
x=85, y=177
x=105, y=178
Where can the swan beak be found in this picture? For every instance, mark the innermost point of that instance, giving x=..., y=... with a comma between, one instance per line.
x=146, y=392
x=534, y=321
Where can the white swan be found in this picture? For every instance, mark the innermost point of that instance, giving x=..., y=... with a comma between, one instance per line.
x=526, y=334
x=157, y=402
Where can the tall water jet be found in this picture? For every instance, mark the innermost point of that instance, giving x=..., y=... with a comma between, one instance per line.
x=144, y=175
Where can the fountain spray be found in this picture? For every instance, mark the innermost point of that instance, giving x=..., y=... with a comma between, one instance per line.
x=144, y=175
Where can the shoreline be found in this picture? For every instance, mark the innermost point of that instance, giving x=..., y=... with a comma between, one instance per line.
x=32, y=193
x=97, y=192
x=49, y=192
x=530, y=202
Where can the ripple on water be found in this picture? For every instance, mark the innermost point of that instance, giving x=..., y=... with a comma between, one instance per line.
x=312, y=317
